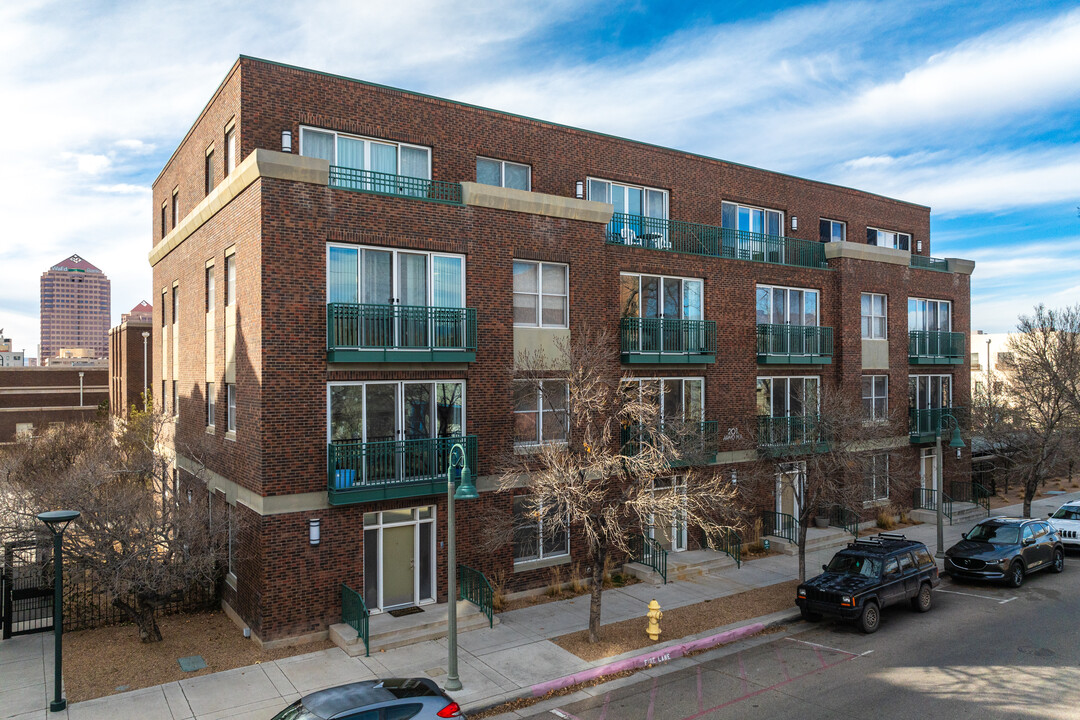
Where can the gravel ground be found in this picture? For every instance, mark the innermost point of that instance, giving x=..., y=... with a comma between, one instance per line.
x=627, y=635
x=110, y=660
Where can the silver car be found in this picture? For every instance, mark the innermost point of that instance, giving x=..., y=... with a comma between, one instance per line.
x=390, y=699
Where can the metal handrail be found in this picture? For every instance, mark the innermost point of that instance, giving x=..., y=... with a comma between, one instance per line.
x=399, y=327
x=775, y=339
x=929, y=263
x=843, y=517
x=731, y=545
x=780, y=525
x=933, y=343
x=970, y=491
x=929, y=421
x=355, y=613
x=790, y=433
x=647, y=551
x=380, y=183
x=367, y=465
x=475, y=587
x=674, y=336
x=926, y=499
x=705, y=439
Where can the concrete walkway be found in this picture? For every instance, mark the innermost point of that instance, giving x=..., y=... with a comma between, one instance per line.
x=494, y=664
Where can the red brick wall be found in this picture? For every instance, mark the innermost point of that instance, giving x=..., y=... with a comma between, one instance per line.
x=66, y=395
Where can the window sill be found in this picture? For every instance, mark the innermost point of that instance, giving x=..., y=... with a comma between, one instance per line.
x=230, y=580
x=231, y=435
x=520, y=567
x=209, y=429
x=880, y=502
x=536, y=448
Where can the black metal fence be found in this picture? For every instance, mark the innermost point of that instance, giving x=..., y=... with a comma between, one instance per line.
x=87, y=607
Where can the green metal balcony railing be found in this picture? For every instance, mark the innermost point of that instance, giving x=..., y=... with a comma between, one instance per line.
x=474, y=587
x=667, y=340
x=790, y=435
x=794, y=344
x=693, y=441
x=648, y=552
x=365, y=471
x=929, y=263
x=926, y=423
x=389, y=333
x=380, y=183
x=355, y=613
x=697, y=239
x=780, y=525
x=926, y=499
x=935, y=348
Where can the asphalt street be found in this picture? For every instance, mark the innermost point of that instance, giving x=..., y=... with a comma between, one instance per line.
x=983, y=651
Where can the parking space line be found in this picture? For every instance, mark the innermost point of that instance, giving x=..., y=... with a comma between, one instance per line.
x=780, y=659
x=823, y=647
x=652, y=699
x=984, y=597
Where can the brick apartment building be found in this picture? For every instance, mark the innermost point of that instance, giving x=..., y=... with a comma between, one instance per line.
x=75, y=307
x=33, y=398
x=129, y=356
x=347, y=272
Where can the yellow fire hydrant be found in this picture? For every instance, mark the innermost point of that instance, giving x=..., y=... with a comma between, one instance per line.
x=654, y=615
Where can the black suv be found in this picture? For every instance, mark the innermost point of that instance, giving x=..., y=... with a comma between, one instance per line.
x=1006, y=549
x=868, y=575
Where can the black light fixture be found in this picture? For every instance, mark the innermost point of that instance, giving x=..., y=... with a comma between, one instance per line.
x=57, y=522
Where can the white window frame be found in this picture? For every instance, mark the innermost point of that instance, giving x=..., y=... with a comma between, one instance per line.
x=873, y=396
x=832, y=227
x=645, y=189
x=922, y=402
x=400, y=410
x=869, y=331
x=540, y=294
x=415, y=521
x=662, y=278
x=367, y=147
x=891, y=236
x=395, y=275
x=540, y=554
x=787, y=396
x=875, y=476
x=661, y=394
x=787, y=304
x=764, y=221
x=947, y=303
x=502, y=171
x=211, y=404
x=230, y=280
x=539, y=411
x=230, y=404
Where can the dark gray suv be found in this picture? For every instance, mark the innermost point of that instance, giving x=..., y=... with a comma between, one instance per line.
x=1006, y=549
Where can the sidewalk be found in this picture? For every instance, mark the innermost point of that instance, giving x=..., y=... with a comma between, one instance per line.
x=495, y=664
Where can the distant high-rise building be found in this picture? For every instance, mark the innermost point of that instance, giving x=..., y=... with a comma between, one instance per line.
x=75, y=308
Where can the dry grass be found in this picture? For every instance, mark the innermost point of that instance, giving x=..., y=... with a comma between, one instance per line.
x=885, y=519
x=896, y=526
x=616, y=580
x=110, y=660
x=628, y=635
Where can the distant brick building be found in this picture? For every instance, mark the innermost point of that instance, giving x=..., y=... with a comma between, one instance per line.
x=9, y=357
x=33, y=398
x=347, y=272
x=75, y=308
x=129, y=353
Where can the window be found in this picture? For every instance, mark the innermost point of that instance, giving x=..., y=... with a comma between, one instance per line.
x=175, y=307
x=210, y=289
x=376, y=276
x=361, y=153
x=876, y=479
x=787, y=396
x=383, y=411
x=232, y=540
x=175, y=399
x=1004, y=361
x=230, y=280
x=874, y=324
x=211, y=405
x=175, y=207
x=540, y=412
x=230, y=149
x=906, y=563
x=680, y=399
x=875, y=396
x=655, y=296
x=888, y=238
x=751, y=219
x=929, y=392
x=24, y=431
x=208, y=183
x=537, y=537
x=787, y=306
x=540, y=294
x=630, y=199
x=929, y=315
x=503, y=174
x=832, y=230
x=230, y=411
x=163, y=408
x=164, y=216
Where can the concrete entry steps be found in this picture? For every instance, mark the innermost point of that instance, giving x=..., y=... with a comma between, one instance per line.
x=963, y=514
x=816, y=539
x=682, y=566
x=387, y=632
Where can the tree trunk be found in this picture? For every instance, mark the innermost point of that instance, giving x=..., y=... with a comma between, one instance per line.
x=802, y=547
x=144, y=617
x=599, y=555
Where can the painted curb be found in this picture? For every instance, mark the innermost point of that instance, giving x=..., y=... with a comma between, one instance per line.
x=648, y=659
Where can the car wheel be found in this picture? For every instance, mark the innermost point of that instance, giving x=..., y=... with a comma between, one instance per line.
x=1059, y=561
x=923, y=600
x=809, y=616
x=1016, y=575
x=870, y=618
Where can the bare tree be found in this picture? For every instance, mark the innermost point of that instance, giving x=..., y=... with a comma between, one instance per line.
x=140, y=543
x=606, y=481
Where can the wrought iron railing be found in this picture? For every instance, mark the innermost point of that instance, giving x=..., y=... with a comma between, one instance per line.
x=933, y=344
x=647, y=551
x=392, y=468
x=690, y=438
x=929, y=263
x=380, y=183
x=926, y=499
x=780, y=525
x=799, y=343
x=355, y=614
x=351, y=326
x=731, y=544
x=474, y=587
x=926, y=423
x=969, y=491
x=697, y=239
x=667, y=336
x=791, y=434
x=843, y=517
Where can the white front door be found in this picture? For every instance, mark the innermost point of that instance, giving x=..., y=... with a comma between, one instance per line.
x=928, y=470
x=672, y=537
x=790, y=485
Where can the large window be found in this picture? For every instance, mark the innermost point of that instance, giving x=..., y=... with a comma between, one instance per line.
x=175, y=207
x=360, y=153
x=230, y=280
x=630, y=199
x=656, y=296
x=930, y=315
x=541, y=294
x=211, y=405
x=230, y=149
x=378, y=276
x=680, y=399
x=535, y=538
x=874, y=309
x=750, y=219
x=175, y=399
x=787, y=306
x=929, y=392
x=503, y=173
x=888, y=238
x=208, y=181
x=832, y=230
x=385, y=411
x=876, y=479
x=787, y=396
x=211, y=289
x=540, y=412
x=875, y=396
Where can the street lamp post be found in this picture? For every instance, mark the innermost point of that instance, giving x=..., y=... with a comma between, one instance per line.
x=955, y=442
x=145, y=335
x=57, y=521
x=467, y=491
x=80, y=389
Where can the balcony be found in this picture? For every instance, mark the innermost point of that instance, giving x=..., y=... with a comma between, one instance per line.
x=929, y=263
x=924, y=423
x=399, y=333
x=935, y=348
x=694, y=440
x=790, y=435
x=711, y=241
x=667, y=340
x=379, y=183
x=363, y=472
x=794, y=344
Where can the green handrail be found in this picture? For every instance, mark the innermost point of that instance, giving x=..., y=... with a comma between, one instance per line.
x=474, y=587
x=780, y=525
x=669, y=336
x=355, y=613
x=934, y=344
x=791, y=434
x=358, y=466
x=926, y=499
x=730, y=544
x=399, y=327
x=704, y=438
x=925, y=423
x=799, y=340
x=647, y=551
x=970, y=491
x=380, y=183
x=929, y=263
x=697, y=239
x=843, y=517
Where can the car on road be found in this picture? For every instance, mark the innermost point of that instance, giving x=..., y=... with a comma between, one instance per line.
x=1006, y=549
x=1067, y=523
x=867, y=575
x=390, y=699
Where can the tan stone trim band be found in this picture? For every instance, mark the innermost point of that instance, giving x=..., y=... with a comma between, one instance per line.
x=499, y=198
x=874, y=253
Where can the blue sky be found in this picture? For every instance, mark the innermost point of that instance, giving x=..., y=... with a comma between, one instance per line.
x=969, y=107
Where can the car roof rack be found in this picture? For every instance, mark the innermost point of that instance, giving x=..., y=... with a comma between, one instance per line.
x=880, y=539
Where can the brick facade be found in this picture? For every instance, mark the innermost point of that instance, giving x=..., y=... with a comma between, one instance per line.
x=43, y=396
x=279, y=230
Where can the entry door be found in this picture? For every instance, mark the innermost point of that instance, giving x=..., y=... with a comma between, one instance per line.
x=928, y=474
x=399, y=566
x=671, y=537
x=381, y=426
x=787, y=481
x=412, y=291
